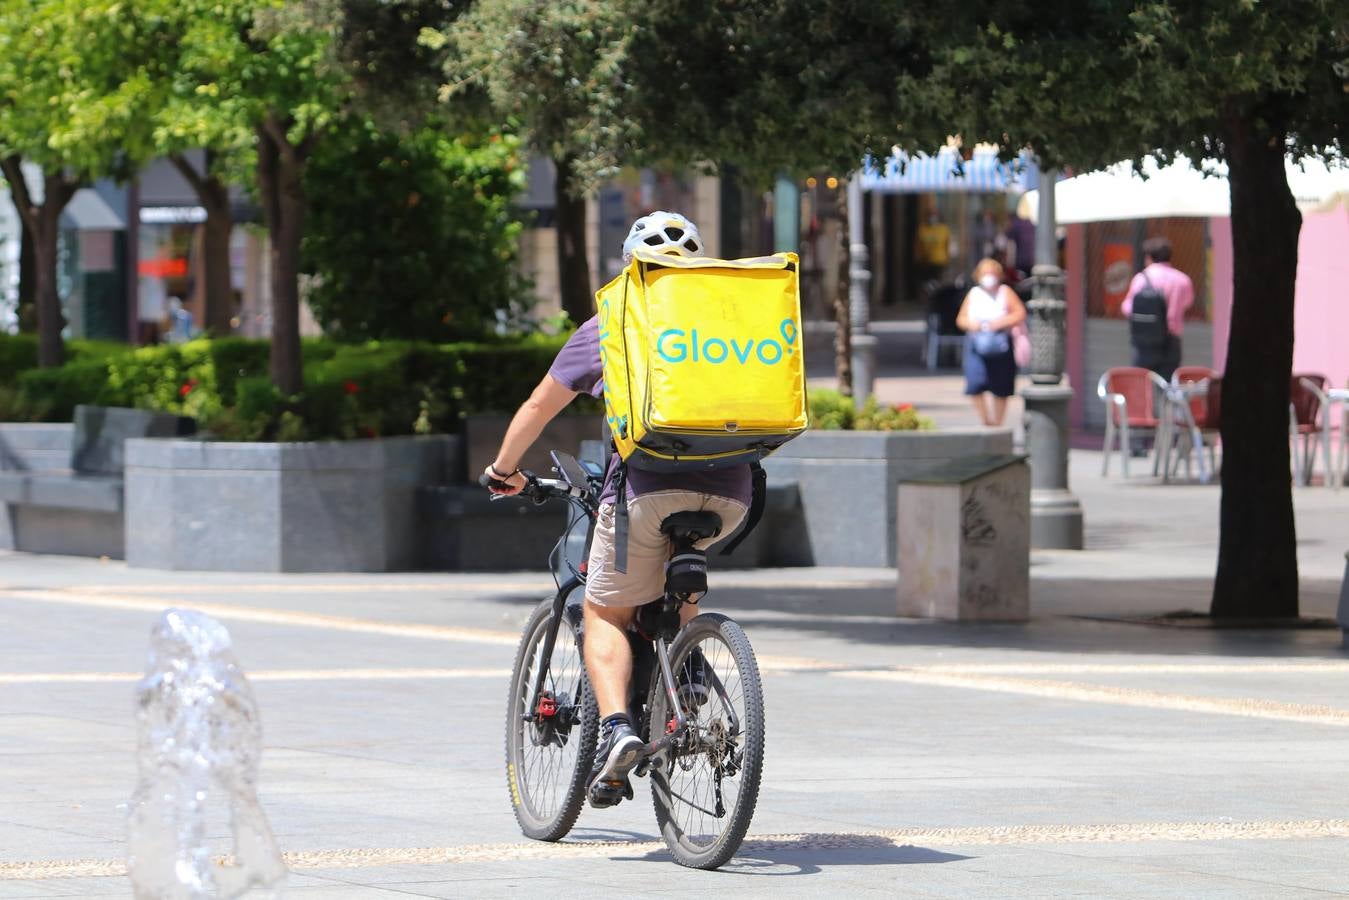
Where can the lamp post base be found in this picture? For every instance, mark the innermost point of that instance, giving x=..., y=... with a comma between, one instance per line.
x=1055, y=521
x=1055, y=512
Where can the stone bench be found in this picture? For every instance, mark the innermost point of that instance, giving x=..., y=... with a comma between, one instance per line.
x=75, y=508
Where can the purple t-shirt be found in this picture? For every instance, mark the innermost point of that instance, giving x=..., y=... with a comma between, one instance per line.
x=577, y=366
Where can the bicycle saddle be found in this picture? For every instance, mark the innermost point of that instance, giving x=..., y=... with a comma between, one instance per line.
x=691, y=526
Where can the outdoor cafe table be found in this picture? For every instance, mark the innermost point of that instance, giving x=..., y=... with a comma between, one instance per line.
x=1177, y=413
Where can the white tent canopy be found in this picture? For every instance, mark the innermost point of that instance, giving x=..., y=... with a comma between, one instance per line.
x=1177, y=190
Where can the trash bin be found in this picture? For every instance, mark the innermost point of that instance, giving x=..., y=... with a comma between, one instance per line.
x=964, y=540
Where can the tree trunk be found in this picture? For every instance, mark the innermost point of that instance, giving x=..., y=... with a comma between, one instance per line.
x=214, y=197
x=842, y=311
x=280, y=170
x=1257, y=548
x=219, y=296
x=44, y=224
x=573, y=270
x=27, y=310
x=51, y=350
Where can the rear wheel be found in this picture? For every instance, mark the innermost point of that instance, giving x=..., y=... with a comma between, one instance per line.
x=550, y=740
x=706, y=785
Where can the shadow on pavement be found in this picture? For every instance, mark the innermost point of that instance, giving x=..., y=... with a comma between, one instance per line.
x=804, y=854
x=1070, y=615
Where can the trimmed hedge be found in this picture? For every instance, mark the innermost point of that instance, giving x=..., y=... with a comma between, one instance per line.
x=351, y=390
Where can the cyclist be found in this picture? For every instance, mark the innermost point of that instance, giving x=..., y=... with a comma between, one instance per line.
x=612, y=597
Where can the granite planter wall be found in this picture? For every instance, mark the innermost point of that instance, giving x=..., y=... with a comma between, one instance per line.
x=340, y=506
x=848, y=481
x=35, y=446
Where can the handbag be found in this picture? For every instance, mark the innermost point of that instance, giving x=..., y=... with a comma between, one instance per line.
x=990, y=343
x=1021, y=345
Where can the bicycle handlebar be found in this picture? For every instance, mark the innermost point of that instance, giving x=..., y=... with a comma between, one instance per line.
x=537, y=489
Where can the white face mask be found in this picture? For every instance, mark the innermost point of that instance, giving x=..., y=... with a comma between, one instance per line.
x=989, y=283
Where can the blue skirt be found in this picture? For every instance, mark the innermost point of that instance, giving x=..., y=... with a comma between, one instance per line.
x=995, y=374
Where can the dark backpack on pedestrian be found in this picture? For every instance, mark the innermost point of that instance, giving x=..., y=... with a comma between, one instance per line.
x=1147, y=321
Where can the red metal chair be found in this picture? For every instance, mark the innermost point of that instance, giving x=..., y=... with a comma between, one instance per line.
x=1130, y=395
x=1306, y=398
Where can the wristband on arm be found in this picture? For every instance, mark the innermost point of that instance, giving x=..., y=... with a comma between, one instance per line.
x=496, y=473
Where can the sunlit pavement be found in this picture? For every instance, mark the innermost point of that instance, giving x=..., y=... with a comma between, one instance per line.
x=1077, y=755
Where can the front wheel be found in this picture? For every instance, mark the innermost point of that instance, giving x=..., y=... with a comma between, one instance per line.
x=706, y=785
x=550, y=739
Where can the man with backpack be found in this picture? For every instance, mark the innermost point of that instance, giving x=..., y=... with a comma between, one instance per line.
x=1155, y=307
x=615, y=587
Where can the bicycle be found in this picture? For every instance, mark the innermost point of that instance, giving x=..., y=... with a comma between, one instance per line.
x=695, y=692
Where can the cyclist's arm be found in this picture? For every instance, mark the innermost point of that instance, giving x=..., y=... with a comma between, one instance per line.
x=548, y=399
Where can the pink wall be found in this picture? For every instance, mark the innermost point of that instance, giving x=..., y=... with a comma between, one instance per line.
x=1322, y=307
x=1321, y=314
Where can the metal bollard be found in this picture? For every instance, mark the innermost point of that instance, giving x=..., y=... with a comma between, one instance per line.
x=199, y=743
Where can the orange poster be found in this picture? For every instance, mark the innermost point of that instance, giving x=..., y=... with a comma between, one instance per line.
x=1117, y=270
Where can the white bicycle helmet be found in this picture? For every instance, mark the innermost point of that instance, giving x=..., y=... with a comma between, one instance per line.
x=664, y=232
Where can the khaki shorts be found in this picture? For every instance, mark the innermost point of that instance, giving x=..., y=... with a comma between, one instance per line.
x=648, y=549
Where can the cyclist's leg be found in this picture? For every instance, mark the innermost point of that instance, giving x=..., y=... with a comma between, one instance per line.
x=612, y=598
x=608, y=655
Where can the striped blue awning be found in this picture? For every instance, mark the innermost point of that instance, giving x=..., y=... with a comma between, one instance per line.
x=920, y=173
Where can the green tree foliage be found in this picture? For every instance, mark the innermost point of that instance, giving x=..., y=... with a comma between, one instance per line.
x=70, y=103
x=411, y=236
x=555, y=69
x=266, y=81
x=791, y=86
x=267, y=69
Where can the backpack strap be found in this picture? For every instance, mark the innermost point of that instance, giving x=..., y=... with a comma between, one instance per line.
x=621, y=519
x=757, y=501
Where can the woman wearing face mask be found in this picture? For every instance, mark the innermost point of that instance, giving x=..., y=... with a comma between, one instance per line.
x=987, y=316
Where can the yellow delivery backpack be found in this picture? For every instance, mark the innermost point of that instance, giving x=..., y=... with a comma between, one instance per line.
x=702, y=360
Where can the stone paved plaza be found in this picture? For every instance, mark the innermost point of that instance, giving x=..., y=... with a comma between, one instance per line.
x=1079, y=755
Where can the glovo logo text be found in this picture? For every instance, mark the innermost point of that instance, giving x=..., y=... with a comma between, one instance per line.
x=675, y=345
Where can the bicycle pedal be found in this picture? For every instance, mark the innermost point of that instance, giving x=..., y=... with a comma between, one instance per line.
x=604, y=794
